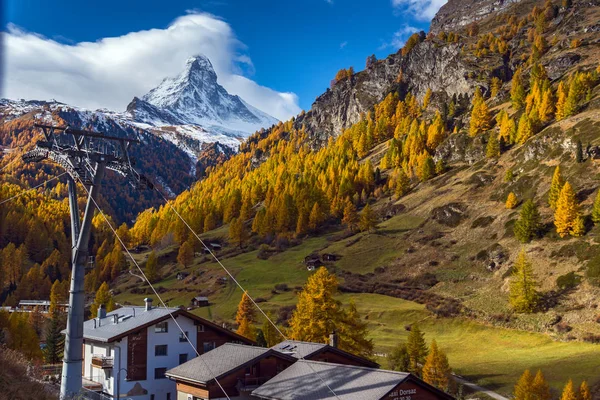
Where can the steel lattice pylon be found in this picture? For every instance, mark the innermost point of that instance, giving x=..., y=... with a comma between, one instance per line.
x=85, y=155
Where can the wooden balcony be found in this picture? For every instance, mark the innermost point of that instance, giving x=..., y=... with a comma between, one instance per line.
x=99, y=361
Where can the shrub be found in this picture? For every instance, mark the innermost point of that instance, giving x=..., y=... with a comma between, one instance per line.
x=282, y=287
x=568, y=281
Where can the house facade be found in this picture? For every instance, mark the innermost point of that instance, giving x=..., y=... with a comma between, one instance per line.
x=128, y=351
x=233, y=369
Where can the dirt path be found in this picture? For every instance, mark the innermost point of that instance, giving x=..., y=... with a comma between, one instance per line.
x=478, y=388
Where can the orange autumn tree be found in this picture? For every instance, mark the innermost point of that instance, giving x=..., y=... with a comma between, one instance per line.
x=245, y=317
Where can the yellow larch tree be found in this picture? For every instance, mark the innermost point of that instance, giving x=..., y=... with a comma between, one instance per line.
x=566, y=215
x=511, y=201
x=569, y=392
x=436, y=370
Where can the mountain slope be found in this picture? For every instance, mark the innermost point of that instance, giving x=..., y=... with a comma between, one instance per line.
x=195, y=97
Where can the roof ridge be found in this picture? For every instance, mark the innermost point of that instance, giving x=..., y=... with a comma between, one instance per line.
x=355, y=367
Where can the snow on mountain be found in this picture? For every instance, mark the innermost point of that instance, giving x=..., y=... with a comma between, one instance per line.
x=195, y=98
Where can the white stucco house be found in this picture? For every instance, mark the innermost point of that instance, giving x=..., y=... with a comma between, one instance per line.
x=128, y=351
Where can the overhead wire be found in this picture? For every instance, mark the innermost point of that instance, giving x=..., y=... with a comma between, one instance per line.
x=239, y=285
x=152, y=286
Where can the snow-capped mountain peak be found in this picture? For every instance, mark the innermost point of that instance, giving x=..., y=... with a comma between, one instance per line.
x=194, y=97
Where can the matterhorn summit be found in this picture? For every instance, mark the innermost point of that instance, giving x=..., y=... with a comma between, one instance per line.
x=194, y=97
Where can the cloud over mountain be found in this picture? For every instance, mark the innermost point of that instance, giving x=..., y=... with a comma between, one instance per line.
x=108, y=73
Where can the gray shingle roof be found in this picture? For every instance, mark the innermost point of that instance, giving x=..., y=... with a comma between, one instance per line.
x=127, y=322
x=301, y=382
x=217, y=362
x=297, y=348
x=305, y=350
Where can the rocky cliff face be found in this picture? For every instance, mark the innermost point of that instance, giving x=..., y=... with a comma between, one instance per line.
x=457, y=14
x=442, y=68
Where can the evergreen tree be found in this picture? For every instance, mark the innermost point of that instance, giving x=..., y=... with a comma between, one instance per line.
x=511, y=201
x=399, y=359
x=569, y=392
x=529, y=223
x=523, y=387
x=417, y=350
x=539, y=387
x=437, y=371
x=351, y=218
x=493, y=146
x=368, y=219
x=579, y=152
x=103, y=297
x=151, y=268
x=517, y=90
x=53, y=352
x=523, y=295
x=567, y=212
x=185, y=256
x=555, y=187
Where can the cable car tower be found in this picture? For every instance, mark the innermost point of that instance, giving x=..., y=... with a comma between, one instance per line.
x=85, y=156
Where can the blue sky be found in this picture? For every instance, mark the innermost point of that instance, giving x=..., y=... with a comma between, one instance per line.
x=289, y=47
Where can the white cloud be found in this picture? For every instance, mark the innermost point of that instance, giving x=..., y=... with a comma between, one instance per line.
x=108, y=73
x=343, y=44
x=422, y=9
x=399, y=38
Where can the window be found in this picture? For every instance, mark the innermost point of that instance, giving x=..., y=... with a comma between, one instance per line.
x=200, y=328
x=108, y=351
x=160, y=350
x=208, y=346
x=151, y=397
x=182, y=358
x=92, y=348
x=159, y=373
x=182, y=337
x=161, y=327
x=169, y=396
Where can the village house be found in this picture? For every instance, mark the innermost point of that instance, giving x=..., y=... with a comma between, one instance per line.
x=128, y=351
x=238, y=369
x=42, y=306
x=309, y=380
x=200, y=301
x=322, y=352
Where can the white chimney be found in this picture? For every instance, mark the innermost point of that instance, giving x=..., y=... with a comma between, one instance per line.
x=101, y=313
x=333, y=339
x=148, y=302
